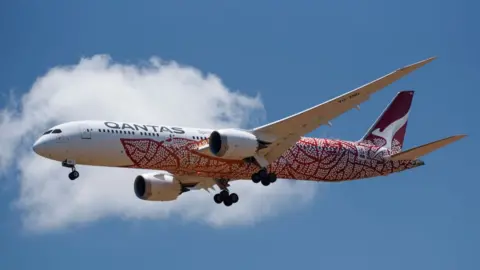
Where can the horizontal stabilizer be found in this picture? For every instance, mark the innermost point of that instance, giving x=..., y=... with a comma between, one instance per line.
x=422, y=150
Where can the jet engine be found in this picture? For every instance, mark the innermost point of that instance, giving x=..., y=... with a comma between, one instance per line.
x=157, y=187
x=234, y=143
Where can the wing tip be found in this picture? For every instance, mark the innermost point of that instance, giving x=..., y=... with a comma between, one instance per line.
x=459, y=136
x=418, y=64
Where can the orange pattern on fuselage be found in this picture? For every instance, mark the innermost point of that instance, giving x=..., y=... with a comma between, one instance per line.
x=309, y=159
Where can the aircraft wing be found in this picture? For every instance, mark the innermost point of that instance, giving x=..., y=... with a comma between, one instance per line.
x=200, y=181
x=286, y=132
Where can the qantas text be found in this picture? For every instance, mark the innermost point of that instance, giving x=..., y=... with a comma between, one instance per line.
x=146, y=128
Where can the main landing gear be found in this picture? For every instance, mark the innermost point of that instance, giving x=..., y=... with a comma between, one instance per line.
x=228, y=198
x=225, y=196
x=265, y=177
x=71, y=164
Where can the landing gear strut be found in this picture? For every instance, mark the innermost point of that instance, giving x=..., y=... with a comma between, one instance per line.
x=225, y=196
x=71, y=164
x=265, y=177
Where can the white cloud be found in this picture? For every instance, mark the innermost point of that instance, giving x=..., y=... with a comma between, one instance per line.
x=160, y=92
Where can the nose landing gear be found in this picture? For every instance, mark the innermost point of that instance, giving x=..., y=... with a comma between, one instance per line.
x=68, y=163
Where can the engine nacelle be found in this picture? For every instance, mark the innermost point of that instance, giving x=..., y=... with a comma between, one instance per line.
x=233, y=143
x=156, y=187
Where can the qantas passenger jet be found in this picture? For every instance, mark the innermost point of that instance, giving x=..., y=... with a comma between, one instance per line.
x=197, y=158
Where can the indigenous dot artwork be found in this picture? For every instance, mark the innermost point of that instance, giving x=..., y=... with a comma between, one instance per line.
x=309, y=159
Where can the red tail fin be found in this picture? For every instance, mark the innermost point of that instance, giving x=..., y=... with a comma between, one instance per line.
x=390, y=128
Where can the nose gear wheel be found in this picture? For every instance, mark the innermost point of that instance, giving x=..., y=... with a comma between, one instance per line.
x=74, y=174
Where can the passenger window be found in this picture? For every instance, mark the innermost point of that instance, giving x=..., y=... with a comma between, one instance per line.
x=56, y=131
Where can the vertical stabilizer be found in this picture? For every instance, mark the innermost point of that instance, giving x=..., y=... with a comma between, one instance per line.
x=389, y=129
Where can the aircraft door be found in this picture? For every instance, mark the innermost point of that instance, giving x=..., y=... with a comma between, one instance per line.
x=86, y=132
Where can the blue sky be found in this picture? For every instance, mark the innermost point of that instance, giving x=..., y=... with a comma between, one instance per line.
x=294, y=55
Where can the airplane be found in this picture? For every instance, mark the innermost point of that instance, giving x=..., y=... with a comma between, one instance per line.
x=187, y=158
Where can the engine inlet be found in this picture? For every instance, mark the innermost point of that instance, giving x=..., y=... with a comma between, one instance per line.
x=139, y=186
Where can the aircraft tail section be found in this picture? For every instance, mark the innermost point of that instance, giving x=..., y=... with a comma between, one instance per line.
x=389, y=129
x=416, y=152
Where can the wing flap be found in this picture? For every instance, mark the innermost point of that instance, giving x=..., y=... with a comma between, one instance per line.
x=425, y=149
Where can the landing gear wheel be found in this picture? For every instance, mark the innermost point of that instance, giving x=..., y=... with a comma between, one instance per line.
x=73, y=175
x=217, y=198
x=263, y=173
x=228, y=201
x=256, y=178
x=272, y=177
x=226, y=198
x=234, y=197
x=68, y=163
x=224, y=194
x=264, y=176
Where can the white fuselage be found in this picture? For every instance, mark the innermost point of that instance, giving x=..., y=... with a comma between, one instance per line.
x=175, y=149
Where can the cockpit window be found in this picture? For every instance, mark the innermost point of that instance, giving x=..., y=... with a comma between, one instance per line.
x=56, y=131
x=46, y=132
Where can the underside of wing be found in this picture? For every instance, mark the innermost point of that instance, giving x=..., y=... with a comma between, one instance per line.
x=286, y=132
x=202, y=182
x=196, y=182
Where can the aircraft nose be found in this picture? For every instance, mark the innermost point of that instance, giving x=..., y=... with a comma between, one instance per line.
x=39, y=147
